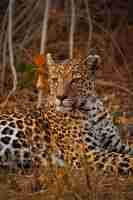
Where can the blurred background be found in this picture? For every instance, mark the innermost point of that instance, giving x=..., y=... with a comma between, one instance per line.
x=103, y=27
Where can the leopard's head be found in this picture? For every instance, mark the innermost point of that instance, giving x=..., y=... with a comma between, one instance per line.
x=67, y=82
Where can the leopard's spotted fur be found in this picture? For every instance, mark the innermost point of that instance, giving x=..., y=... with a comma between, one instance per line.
x=61, y=133
x=23, y=138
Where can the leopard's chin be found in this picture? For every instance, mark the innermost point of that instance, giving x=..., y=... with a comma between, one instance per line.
x=64, y=106
x=63, y=109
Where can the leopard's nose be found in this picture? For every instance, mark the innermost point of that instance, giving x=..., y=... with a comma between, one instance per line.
x=61, y=98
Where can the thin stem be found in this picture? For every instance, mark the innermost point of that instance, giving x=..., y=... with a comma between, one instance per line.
x=40, y=96
x=43, y=44
x=11, y=56
x=3, y=47
x=44, y=27
x=32, y=27
x=90, y=24
x=72, y=29
x=21, y=20
x=112, y=84
x=3, y=28
x=114, y=42
x=4, y=62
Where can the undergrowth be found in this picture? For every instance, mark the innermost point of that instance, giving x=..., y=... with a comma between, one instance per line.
x=53, y=183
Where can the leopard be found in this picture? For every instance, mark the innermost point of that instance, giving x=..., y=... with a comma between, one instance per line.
x=35, y=138
x=72, y=85
x=30, y=143
x=57, y=134
x=72, y=90
x=69, y=77
x=68, y=138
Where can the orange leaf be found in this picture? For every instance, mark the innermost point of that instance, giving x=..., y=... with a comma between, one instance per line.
x=39, y=60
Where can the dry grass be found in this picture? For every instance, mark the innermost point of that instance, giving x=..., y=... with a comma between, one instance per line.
x=54, y=183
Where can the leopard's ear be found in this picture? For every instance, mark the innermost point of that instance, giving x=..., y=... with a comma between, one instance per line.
x=49, y=59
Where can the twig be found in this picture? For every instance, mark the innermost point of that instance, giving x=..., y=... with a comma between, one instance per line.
x=3, y=27
x=35, y=31
x=21, y=20
x=11, y=56
x=116, y=46
x=72, y=29
x=112, y=84
x=4, y=62
x=40, y=96
x=113, y=42
x=3, y=48
x=90, y=24
x=42, y=46
x=31, y=28
x=44, y=27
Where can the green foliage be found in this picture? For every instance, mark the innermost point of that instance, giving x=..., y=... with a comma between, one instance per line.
x=28, y=70
x=24, y=67
x=115, y=117
x=25, y=83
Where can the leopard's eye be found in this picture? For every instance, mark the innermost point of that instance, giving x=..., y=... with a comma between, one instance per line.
x=72, y=83
x=75, y=80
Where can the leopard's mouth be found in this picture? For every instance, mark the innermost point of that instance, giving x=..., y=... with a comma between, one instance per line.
x=65, y=105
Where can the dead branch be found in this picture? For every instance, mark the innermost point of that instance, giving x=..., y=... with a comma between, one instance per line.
x=90, y=25
x=113, y=42
x=3, y=47
x=33, y=16
x=26, y=20
x=112, y=84
x=4, y=62
x=72, y=29
x=3, y=28
x=44, y=27
x=35, y=31
x=11, y=56
x=21, y=20
x=42, y=48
